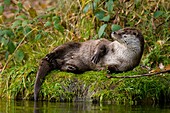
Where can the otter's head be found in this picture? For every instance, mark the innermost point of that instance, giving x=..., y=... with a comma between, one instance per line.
x=129, y=36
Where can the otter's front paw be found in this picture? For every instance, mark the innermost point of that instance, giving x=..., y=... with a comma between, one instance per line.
x=49, y=57
x=95, y=59
x=69, y=68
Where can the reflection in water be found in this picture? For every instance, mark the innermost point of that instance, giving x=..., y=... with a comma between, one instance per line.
x=76, y=107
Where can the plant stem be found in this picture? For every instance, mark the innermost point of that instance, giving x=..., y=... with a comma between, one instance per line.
x=16, y=49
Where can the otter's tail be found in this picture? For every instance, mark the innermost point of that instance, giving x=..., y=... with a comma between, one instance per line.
x=44, y=68
x=53, y=60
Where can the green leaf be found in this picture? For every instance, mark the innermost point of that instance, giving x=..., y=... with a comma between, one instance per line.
x=97, y=1
x=59, y=27
x=101, y=30
x=106, y=18
x=11, y=47
x=19, y=30
x=109, y=5
x=45, y=33
x=100, y=14
x=16, y=23
x=19, y=55
x=8, y=33
x=7, y=2
x=3, y=41
x=158, y=14
x=1, y=9
x=6, y=55
x=38, y=36
x=27, y=30
x=1, y=33
x=86, y=8
x=47, y=24
x=56, y=19
x=137, y=3
x=21, y=17
x=51, y=9
x=25, y=23
x=115, y=27
x=20, y=5
x=94, y=5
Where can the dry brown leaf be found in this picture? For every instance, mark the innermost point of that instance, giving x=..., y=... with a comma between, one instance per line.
x=158, y=69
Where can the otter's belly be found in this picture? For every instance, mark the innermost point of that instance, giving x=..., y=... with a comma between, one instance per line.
x=111, y=59
x=117, y=53
x=121, y=59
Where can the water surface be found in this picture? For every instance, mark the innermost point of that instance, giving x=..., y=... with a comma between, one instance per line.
x=76, y=107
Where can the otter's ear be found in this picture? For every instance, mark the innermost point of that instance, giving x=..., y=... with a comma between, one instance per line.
x=112, y=34
x=135, y=33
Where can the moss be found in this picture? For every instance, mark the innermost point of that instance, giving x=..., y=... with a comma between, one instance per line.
x=18, y=82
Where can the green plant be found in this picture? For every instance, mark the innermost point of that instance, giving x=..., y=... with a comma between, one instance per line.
x=25, y=29
x=103, y=13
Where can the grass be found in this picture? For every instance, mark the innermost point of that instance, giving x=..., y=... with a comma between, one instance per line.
x=89, y=86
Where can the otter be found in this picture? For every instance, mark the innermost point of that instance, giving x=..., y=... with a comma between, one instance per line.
x=121, y=54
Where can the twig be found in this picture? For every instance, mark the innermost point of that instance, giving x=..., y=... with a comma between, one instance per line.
x=137, y=76
x=16, y=50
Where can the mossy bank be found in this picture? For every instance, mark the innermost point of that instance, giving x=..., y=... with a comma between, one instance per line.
x=18, y=83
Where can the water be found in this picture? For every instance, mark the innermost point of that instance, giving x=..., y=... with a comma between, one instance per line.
x=79, y=107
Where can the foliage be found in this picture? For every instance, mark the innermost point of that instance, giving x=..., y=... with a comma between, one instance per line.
x=26, y=29
x=28, y=33
x=89, y=86
x=95, y=18
x=18, y=82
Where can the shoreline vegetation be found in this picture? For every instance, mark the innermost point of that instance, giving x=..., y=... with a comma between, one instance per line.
x=29, y=32
x=90, y=86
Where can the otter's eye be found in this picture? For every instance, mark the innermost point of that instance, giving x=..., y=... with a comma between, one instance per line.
x=134, y=33
x=124, y=36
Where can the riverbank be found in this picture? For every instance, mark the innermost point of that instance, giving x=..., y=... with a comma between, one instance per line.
x=18, y=82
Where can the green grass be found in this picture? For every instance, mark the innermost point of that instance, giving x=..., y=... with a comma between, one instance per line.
x=18, y=82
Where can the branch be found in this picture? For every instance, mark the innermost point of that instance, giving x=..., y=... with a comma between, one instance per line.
x=137, y=76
